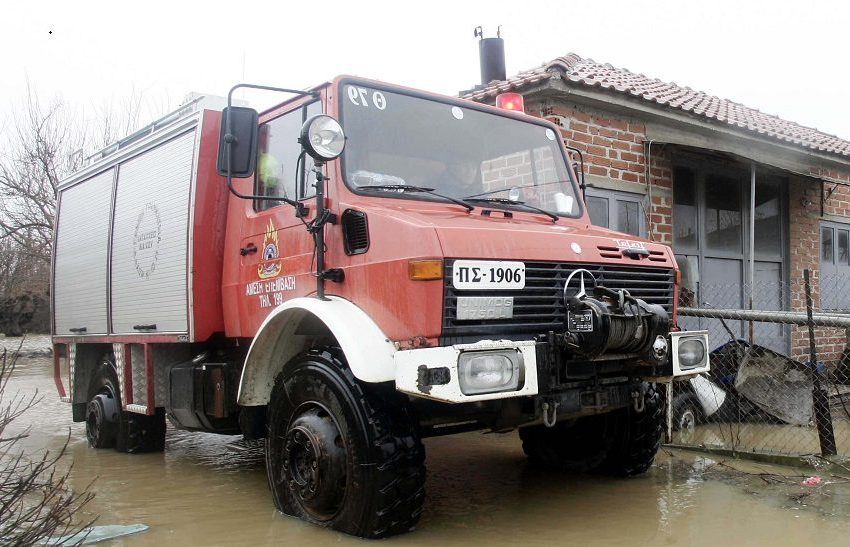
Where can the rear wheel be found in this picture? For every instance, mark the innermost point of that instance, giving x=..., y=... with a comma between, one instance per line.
x=140, y=433
x=343, y=455
x=108, y=426
x=103, y=410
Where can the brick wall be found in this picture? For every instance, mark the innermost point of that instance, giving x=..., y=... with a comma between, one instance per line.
x=804, y=213
x=613, y=147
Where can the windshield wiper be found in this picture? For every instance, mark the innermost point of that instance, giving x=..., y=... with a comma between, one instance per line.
x=401, y=188
x=497, y=190
x=507, y=201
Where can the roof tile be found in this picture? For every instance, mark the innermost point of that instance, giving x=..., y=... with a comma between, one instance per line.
x=589, y=73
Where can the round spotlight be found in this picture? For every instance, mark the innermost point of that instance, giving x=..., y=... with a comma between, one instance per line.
x=322, y=137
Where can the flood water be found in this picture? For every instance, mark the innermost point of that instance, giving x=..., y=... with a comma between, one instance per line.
x=205, y=490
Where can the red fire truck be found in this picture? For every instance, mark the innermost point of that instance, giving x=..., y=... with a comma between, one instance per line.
x=429, y=270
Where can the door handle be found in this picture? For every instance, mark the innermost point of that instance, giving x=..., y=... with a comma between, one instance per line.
x=250, y=248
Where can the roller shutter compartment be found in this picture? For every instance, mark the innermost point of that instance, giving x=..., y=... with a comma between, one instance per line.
x=150, y=239
x=82, y=243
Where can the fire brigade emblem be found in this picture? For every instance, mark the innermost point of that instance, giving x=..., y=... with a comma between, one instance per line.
x=270, y=266
x=146, y=240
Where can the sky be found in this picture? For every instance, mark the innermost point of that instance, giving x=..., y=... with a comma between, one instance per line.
x=781, y=57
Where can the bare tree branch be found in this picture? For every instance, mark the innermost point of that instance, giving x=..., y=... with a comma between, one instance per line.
x=36, y=500
x=44, y=142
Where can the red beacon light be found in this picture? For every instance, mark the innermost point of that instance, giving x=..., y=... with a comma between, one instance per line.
x=510, y=101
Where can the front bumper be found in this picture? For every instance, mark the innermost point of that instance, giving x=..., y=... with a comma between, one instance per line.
x=433, y=373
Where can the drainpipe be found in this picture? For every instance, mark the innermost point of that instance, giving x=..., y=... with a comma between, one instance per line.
x=752, y=272
x=648, y=165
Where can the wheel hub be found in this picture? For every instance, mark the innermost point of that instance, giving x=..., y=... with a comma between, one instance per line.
x=101, y=419
x=314, y=463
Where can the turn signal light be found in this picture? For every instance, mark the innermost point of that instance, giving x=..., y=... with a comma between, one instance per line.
x=424, y=270
x=510, y=101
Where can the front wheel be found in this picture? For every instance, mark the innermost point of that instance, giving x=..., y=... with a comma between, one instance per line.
x=343, y=455
x=622, y=442
x=639, y=437
x=578, y=446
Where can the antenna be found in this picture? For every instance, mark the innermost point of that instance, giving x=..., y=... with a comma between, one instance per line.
x=244, y=62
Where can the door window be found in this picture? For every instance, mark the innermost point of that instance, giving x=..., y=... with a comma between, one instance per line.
x=723, y=220
x=768, y=217
x=685, y=216
x=835, y=266
x=711, y=241
x=621, y=211
x=597, y=208
x=281, y=169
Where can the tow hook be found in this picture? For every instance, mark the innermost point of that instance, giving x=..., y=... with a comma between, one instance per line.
x=549, y=420
x=638, y=400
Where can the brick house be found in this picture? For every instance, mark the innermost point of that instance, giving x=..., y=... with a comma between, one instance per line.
x=678, y=166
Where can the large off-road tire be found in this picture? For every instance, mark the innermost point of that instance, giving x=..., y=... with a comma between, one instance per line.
x=341, y=454
x=103, y=411
x=109, y=426
x=639, y=436
x=579, y=446
x=139, y=433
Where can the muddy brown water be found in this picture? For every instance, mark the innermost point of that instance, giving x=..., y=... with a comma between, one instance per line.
x=776, y=438
x=205, y=491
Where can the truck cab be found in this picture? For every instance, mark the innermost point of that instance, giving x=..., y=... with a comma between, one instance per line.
x=367, y=265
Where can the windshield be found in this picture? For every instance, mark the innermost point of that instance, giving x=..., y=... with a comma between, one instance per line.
x=462, y=152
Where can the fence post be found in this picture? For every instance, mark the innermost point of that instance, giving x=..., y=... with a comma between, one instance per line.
x=668, y=396
x=820, y=402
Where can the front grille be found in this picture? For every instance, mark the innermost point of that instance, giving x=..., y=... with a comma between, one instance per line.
x=539, y=307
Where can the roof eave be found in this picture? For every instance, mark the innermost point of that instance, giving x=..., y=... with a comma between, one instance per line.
x=660, y=119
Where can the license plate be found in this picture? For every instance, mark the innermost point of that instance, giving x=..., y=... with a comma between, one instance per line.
x=488, y=274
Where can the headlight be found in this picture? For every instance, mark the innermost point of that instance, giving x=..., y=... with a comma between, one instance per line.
x=490, y=371
x=322, y=137
x=691, y=353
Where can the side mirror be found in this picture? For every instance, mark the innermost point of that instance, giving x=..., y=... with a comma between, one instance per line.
x=239, y=143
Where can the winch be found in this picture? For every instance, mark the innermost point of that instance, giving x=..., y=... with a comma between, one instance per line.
x=613, y=321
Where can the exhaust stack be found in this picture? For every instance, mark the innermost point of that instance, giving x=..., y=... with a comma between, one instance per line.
x=491, y=54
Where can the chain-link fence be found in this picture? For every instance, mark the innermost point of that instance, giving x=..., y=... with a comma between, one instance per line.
x=780, y=367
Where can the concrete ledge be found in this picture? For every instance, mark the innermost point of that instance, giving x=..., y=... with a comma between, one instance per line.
x=763, y=457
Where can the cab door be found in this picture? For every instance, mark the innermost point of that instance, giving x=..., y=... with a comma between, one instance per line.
x=276, y=249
